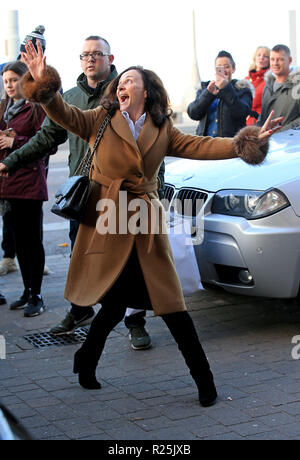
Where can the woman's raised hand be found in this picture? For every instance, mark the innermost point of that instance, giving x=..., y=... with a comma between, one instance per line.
x=271, y=126
x=35, y=60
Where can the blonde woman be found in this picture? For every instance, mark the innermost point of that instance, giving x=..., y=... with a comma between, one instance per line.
x=257, y=70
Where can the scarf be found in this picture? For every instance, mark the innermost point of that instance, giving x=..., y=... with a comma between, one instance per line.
x=12, y=109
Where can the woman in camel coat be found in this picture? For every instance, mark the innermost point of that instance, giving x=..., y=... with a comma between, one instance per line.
x=120, y=268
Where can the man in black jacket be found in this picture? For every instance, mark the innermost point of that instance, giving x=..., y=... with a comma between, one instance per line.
x=98, y=70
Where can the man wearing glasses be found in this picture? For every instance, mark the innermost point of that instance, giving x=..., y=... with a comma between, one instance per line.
x=98, y=70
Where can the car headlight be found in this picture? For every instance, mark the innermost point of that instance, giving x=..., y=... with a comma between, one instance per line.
x=250, y=204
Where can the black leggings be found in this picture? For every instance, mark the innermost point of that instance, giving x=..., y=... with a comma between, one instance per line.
x=8, y=241
x=26, y=221
x=180, y=325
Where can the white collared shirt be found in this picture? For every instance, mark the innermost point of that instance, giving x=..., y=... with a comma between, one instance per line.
x=135, y=128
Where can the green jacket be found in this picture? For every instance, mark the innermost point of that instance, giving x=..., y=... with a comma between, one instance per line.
x=52, y=135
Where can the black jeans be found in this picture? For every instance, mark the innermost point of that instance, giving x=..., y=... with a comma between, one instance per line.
x=135, y=320
x=26, y=222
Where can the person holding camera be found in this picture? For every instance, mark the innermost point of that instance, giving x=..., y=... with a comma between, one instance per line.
x=223, y=104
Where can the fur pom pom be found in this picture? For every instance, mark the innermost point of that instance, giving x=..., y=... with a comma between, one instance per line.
x=42, y=90
x=248, y=147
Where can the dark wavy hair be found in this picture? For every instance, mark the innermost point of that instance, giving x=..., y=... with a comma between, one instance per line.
x=20, y=69
x=15, y=66
x=157, y=103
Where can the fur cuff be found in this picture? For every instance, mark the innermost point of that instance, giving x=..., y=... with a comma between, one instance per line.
x=248, y=147
x=42, y=90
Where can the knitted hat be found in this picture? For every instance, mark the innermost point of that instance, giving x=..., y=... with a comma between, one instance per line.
x=37, y=34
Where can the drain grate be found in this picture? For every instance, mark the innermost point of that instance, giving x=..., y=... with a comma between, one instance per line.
x=45, y=339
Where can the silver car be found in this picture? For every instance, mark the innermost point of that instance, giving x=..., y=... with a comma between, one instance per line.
x=250, y=217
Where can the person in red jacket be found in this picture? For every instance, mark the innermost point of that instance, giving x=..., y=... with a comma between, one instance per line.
x=258, y=68
x=24, y=193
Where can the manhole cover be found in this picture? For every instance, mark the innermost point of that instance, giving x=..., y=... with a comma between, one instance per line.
x=45, y=339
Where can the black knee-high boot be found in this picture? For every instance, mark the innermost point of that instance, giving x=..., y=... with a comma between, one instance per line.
x=183, y=330
x=87, y=357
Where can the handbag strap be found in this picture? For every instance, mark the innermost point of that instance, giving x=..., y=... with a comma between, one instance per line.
x=83, y=169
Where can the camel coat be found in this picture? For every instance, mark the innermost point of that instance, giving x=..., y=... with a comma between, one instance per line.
x=121, y=163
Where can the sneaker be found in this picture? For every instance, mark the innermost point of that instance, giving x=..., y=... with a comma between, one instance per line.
x=21, y=302
x=46, y=270
x=2, y=299
x=139, y=338
x=35, y=306
x=8, y=265
x=69, y=324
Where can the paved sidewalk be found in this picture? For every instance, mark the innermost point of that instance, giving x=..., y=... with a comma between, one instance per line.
x=149, y=395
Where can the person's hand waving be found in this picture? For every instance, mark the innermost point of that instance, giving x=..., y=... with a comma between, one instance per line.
x=271, y=126
x=35, y=60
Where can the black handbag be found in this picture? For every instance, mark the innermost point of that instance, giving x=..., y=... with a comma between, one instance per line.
x=72, y=196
